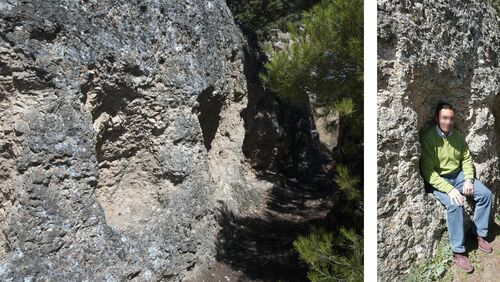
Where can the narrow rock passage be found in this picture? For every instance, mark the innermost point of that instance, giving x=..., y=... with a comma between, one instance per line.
x=258, y=246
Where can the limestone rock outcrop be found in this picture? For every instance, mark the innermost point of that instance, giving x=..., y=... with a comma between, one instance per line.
x=123, y=127
x=430, y=51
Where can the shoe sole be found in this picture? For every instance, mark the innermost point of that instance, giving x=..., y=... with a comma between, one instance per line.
x=485, y=251
x=465, y=270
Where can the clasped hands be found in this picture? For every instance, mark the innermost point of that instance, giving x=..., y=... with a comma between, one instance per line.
x=456, y=197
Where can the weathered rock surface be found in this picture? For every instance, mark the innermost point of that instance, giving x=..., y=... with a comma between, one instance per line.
x=430, y=51
x=128, y=131
x=122, y=132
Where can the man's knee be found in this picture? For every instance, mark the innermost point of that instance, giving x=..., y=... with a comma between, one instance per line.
x=454, y=208
x=442, y=198
x=482, y=191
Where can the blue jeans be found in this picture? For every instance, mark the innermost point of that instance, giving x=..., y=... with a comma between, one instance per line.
x=455, y=214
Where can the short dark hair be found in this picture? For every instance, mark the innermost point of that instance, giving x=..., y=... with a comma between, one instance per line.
x=443, y=105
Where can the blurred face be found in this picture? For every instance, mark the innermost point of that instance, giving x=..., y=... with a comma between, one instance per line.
x=446, y=120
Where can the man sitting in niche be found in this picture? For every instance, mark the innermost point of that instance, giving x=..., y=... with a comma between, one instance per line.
x=446, y=165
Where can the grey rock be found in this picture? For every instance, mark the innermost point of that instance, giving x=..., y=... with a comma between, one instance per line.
x=125, y=129
x=104, y=174
x=430, y=51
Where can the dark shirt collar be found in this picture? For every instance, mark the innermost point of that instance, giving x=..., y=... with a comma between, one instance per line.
x=441, y=133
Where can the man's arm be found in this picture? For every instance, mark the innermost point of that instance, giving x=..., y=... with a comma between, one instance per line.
x=467, y=164
x=428, y=172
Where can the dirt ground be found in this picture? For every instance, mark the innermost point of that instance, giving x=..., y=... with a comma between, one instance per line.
x=258, y=246
x=486, y=266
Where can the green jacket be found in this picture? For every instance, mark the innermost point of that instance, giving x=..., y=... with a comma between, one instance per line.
x=444, y=155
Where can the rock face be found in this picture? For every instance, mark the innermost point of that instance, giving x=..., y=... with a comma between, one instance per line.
x=430, y=51
x=122, y=128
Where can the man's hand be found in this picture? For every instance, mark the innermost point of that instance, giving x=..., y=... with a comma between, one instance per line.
x=468, y=187
x=456, y=197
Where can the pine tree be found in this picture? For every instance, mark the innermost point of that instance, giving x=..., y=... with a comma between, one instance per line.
x=324, y=62
x=329, y=258
x=323, y=67
x=337, y=258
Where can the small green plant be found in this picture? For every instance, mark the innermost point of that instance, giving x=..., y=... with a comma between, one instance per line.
x=330, y=258
x=435, y=268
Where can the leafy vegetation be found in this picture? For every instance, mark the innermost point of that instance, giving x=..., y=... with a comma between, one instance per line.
x=329, y=258
x=344, y=107
x=435, y=268
x=323, y=67
x=324, y=62
x=348, y=184
x=339, y=258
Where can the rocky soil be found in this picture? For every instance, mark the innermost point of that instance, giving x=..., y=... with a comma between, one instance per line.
x=485, y=264
x=430, y=51
x=134, y=134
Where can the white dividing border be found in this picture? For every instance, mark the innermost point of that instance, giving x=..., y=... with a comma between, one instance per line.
x=370, y=140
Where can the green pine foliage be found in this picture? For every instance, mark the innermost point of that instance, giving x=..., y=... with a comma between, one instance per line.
x=324, y=59
x=323, y=67
x=338, y=258
x=330, y=258
x=348, y=183
x=345, y=107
